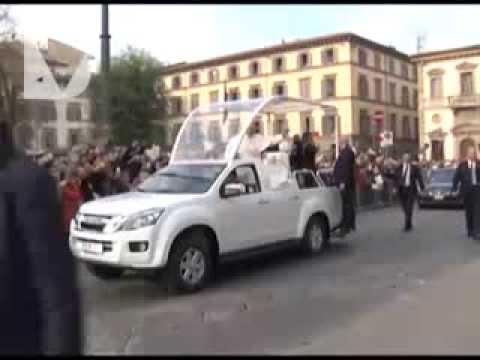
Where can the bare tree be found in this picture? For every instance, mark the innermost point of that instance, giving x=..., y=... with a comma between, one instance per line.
x=7, y=24
x=8, y=88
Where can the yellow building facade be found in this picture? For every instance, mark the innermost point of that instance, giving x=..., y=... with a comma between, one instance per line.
x=449, y=101
x=357, y=76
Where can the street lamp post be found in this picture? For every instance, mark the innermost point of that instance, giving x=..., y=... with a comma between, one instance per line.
x=105, y=63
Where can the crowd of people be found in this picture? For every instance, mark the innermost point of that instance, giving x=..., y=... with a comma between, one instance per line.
x=91, y=172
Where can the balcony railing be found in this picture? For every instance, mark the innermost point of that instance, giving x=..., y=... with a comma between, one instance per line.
x=464, y=101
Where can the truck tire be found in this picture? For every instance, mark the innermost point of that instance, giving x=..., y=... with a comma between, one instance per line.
x=316, y=236
x=105, y=272
x=190, y=264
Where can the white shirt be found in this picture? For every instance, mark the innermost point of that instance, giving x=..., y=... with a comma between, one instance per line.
x=472, y=165
x=406, y=174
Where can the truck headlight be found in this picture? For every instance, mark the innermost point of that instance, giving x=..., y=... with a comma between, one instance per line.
x=141, y=219
x=76, y=221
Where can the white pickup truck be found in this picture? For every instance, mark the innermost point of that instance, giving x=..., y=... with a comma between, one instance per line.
x=211, y=203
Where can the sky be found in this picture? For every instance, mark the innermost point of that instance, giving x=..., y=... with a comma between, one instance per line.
x=175, y=33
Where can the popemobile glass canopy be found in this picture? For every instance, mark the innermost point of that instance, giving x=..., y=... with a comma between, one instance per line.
x=214, y=133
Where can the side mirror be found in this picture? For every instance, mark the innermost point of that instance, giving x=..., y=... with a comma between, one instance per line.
x=234, y=189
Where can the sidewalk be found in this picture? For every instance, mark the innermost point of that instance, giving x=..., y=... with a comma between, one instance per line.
x=441, y=318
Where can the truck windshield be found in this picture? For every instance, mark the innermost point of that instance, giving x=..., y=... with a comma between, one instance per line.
x=182, y=179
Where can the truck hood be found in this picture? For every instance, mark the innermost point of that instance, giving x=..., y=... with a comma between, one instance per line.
x=133, y=202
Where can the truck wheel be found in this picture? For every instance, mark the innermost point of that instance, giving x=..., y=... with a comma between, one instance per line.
x=105, y=272
x=190, y=264
x=316, y=235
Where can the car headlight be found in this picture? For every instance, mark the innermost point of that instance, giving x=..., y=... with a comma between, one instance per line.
x=141, y=219
x=76, y=221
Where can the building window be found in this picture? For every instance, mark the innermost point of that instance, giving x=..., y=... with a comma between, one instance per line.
x=414, y=73
x=378, y=61
x=306, y=122
x=213, y=97
x=74, y=112
x=378, y=89
x=363, y=87
x=328, y=56
x=466, y=83
x=405, y=71
x=176, y=83
x=304, y=85
x=362, y=57
x=213, y=76
x=74, y=136
x=176, y=128
x=391, y=66
x=49, y=139
x=47, y=111
x=279, y=64
x=176, y=105
x=214, y=132
x=436, y=90
x=393, y=124
x=329, y=86
x=303, y=60
x=406, y=130
x=234, y=94
x=194, y=79
x=405, y=97
x=194, y=101
x=233, y=72
x=233, y=127
x=280, y=89
x=328, y=125
x=278, y=125
x=415, y=99
x=415, y=128
x=254, y=68
x=437, y=150
x=365, y=128
x=254, y=92
x=393, y=93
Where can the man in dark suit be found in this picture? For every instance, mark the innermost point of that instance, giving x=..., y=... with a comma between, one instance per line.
x=468, y=175
x=310, y=153
x=296, y=154
x=408, y=177
x=344, y=175
x=39, y=300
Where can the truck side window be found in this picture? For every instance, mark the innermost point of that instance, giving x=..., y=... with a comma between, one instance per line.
x=245, y=175
x=306, y=180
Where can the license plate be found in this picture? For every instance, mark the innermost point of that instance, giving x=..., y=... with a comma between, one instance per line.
x=93, y=248
x=438, y=197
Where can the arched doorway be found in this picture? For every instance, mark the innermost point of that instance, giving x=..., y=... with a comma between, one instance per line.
x=464, y=145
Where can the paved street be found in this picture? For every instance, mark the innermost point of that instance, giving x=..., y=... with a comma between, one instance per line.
x=288, y=303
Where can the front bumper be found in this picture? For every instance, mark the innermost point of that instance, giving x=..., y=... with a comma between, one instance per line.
x=447, y=201
x=114, y=249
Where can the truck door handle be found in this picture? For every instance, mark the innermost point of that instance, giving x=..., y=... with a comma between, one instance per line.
x=263, y=202
x=295, y=198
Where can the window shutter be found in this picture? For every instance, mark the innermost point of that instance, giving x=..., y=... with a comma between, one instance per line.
x=324, y=57
x=324, y=92
x=335, y=55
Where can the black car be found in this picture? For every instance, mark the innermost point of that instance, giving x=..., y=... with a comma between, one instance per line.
x=438, y=190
